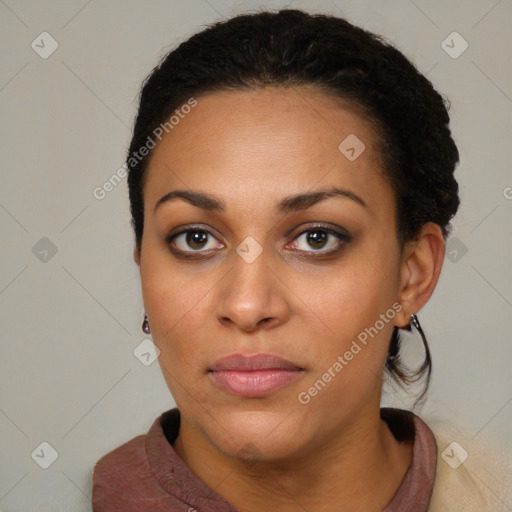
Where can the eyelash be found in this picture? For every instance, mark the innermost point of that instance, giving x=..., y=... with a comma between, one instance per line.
x=343, y=240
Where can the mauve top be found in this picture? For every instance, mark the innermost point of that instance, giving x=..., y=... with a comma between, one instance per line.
x=147, y=474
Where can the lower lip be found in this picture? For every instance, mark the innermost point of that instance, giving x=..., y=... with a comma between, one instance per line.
x=256, y=383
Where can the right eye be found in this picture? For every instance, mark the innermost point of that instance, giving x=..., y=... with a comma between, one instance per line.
x=195, y=239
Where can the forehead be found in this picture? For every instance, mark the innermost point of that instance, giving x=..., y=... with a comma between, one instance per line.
x=269, y=141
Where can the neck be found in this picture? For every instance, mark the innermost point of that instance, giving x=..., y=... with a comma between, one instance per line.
x=330, y=473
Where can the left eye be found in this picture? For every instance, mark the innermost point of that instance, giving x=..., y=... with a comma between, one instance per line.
x=320, y=239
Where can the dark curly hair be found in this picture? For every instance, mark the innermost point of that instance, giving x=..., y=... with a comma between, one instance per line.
x=292, y=48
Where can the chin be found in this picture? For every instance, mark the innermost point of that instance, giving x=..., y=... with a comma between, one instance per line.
x=255, y=436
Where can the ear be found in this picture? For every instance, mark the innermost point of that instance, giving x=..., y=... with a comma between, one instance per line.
x=420, y=269
x=136, y=255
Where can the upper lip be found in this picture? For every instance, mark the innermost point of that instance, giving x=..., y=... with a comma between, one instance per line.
x=240, y=362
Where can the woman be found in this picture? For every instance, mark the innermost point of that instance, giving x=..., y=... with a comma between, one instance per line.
x=291, y=186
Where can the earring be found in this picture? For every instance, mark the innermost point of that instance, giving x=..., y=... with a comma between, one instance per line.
x=413, y=320
x=427, y=364
x=145, y=324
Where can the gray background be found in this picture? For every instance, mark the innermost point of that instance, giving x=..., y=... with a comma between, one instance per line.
x=70, y=321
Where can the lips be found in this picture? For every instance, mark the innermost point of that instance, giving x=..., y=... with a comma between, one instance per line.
x=254, y=376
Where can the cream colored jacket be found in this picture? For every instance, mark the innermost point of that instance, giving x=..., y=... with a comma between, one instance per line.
x=471, y=476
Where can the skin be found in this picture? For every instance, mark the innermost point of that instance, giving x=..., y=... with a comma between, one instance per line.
x=251, y=149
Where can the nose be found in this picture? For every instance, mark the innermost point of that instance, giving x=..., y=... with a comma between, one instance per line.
x=252, y=296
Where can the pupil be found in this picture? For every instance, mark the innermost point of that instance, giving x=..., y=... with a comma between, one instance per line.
x=317, y=237
x=196, y=237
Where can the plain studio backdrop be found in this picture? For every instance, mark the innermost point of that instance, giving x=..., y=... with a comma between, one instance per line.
x=74, y=382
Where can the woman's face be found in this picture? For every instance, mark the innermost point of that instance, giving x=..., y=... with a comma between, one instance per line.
x=272, y=305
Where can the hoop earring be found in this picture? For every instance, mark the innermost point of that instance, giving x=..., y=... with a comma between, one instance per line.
x=413, y=320
x=145, y=324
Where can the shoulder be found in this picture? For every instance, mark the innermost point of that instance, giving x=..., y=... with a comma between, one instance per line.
x=122, y=459
x=139, y=472
x=119, y=471
x=471, y=475
x=123, y=480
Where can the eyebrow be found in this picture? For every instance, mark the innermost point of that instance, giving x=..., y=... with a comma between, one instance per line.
x=289, y=204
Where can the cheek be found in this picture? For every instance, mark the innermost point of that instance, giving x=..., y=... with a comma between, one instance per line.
x=162, y=293
x=353, y=298
x=175, y=303
x=347, y=363
x=350, y=303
